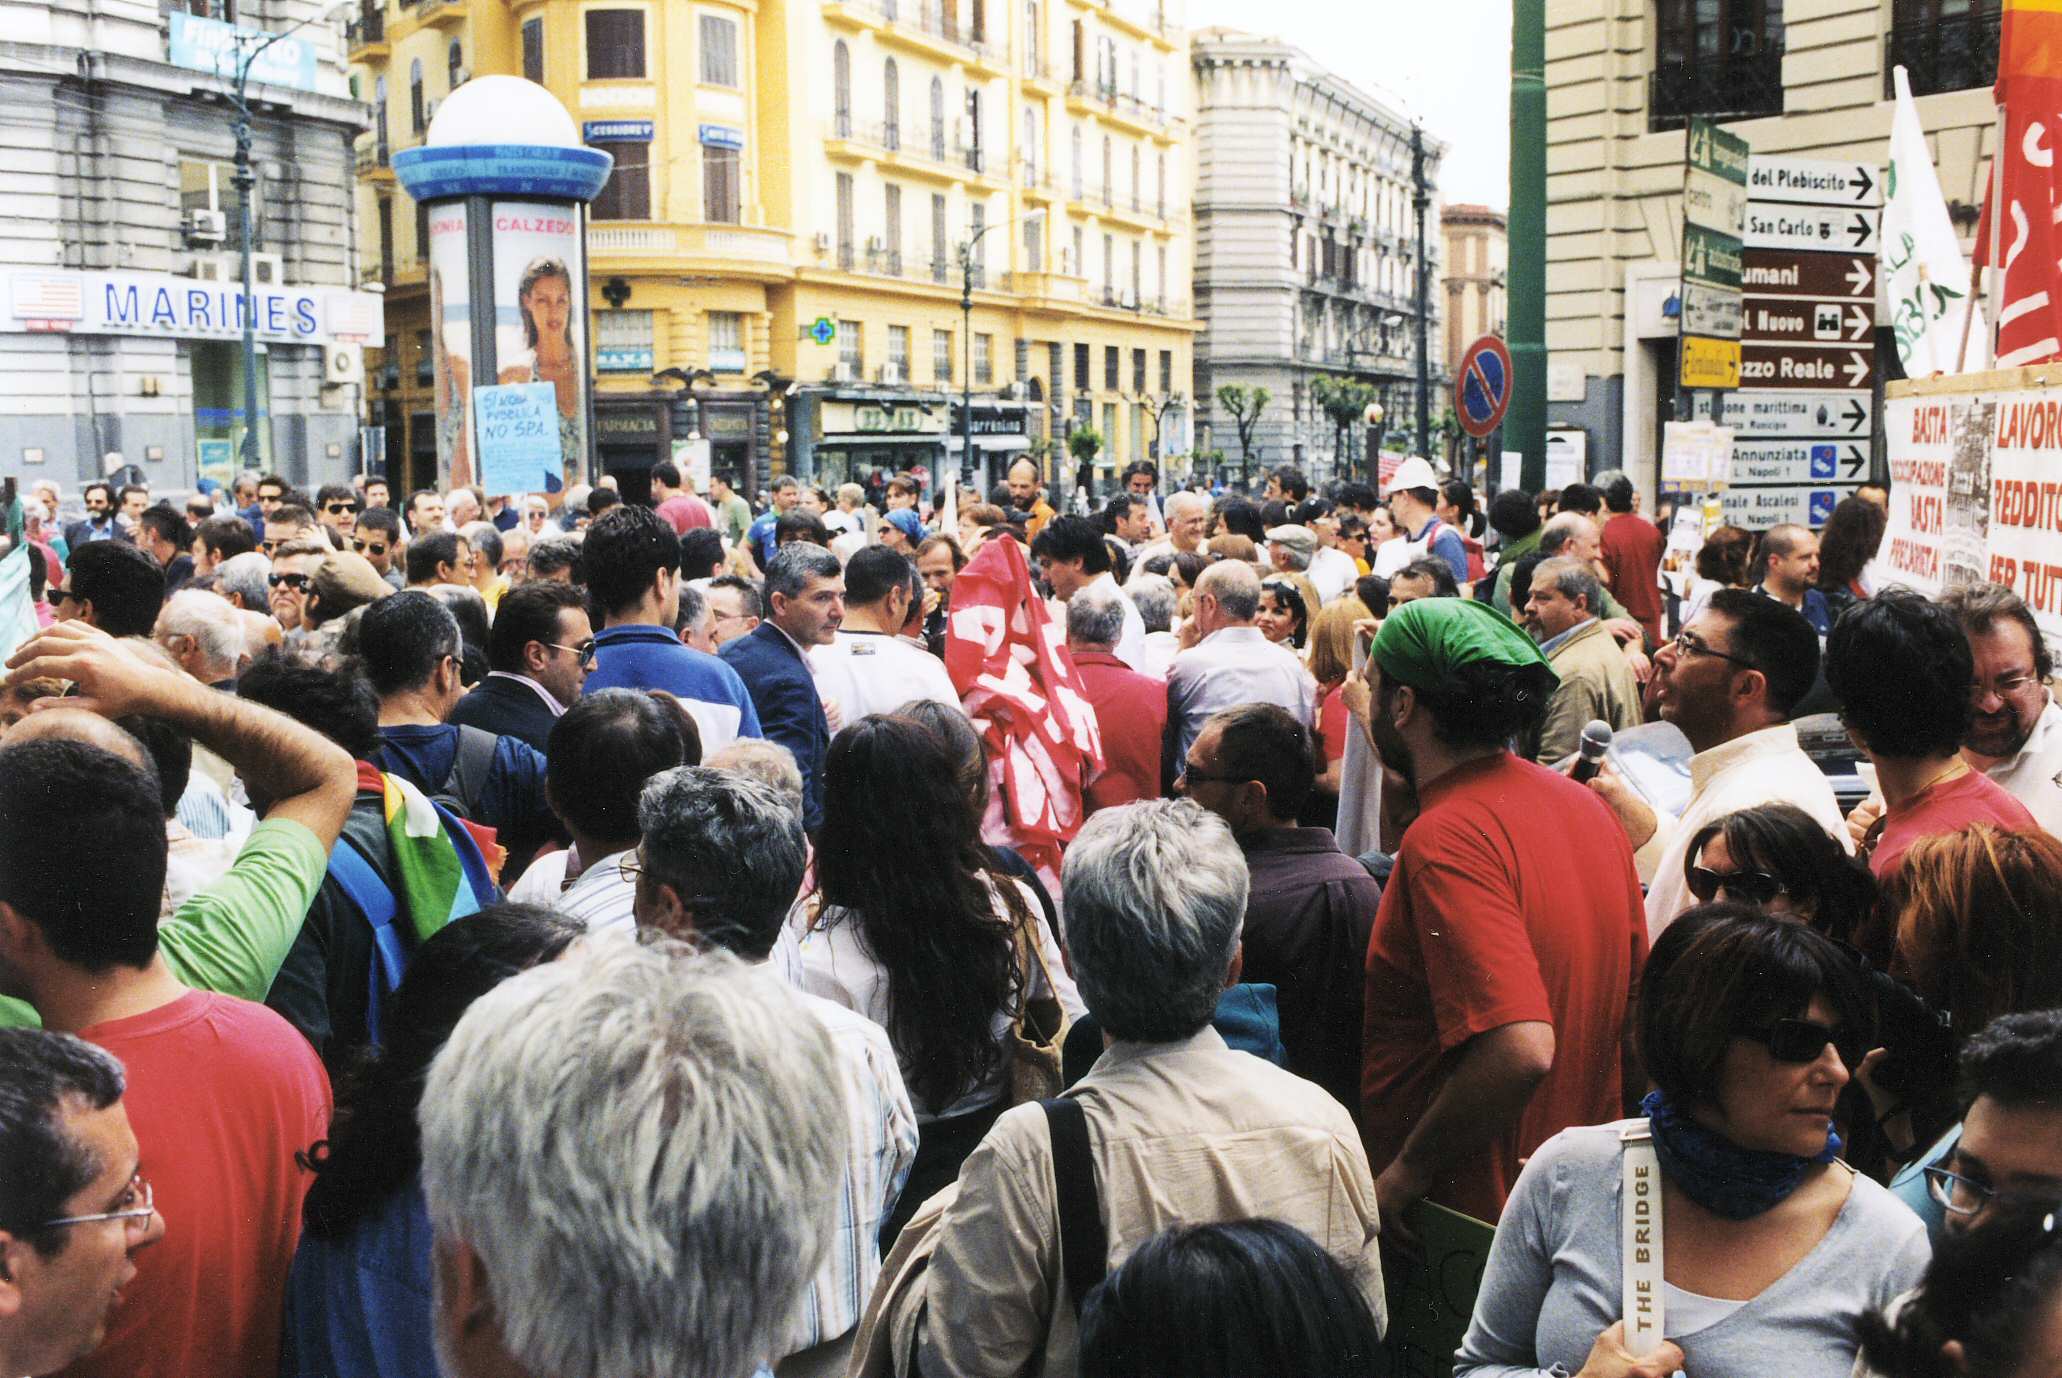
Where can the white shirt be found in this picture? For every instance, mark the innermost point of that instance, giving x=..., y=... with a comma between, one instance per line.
x=2034, y=775
x=1332, y=572
x=1131, y=642
x=558, y=710
x=603, y=898
x=874, y=672
x=836, y=965
x=1763, y=767
x=1161, y=648
x=1391, y=556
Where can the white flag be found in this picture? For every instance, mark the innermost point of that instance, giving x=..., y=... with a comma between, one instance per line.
x=1924, y=280
x=17, y=614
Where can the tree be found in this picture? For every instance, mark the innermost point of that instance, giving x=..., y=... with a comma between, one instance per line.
x=1085, y=443
x=1245, y=405
x=1345, y=401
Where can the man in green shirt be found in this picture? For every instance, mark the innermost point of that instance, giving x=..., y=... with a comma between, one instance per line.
x=232, y=936
x=733, y=513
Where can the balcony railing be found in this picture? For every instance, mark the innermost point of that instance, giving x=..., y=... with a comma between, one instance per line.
x=369, y=27
x=845, y=257
x=1717, y=88
x=1950, y=54
x=887, y=138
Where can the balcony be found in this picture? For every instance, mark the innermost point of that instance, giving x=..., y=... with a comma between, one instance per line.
x=441, y=14
x=365, y=38
x=372, y=161
x=1046, y=286
x=1729, y=88
x=1039, y=76
x=1956, y=53
x=931, y=31
x=736, y=249
x=936, y=160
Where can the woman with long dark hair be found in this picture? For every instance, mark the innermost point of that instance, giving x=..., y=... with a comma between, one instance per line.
x=914, y=925
x=1780, y=860
x=1850, y=540
x=358, y=1298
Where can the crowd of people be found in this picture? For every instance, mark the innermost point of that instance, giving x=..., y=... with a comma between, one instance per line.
x=878, y=932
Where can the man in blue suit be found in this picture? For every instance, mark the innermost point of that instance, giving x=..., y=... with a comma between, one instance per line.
x=805, y=603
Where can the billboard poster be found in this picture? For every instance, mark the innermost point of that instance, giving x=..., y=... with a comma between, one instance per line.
x=1973, y=494
x=451, y=343
x=540, y=317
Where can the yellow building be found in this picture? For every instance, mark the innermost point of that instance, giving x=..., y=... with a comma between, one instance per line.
x=794, y=182
x=1476, y=260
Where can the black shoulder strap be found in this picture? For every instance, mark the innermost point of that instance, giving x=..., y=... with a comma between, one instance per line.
x=1084, y=1248
x=470, y=766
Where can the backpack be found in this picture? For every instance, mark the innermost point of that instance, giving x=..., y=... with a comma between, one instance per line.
x=467, y=778
x=375, y=901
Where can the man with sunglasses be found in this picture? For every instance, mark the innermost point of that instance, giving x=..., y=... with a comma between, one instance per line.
x=377, y=536
x=539, y=652
x=287, y=523
x=74, y=1205
x=293, y=574
x=1729, y=681
x=337, y=507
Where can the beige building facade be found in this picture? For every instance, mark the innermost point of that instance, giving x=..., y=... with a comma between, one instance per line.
x=1478, y=254
x=1804, y=78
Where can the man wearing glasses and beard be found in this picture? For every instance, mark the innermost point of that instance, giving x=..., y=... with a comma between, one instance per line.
x=2016, y=734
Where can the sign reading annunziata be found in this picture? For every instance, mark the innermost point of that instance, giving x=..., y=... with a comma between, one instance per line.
x=1976, y=492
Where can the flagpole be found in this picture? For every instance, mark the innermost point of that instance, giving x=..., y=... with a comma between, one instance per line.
x=1969, y=316
x=1990, y=252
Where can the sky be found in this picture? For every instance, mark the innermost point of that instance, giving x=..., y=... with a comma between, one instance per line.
x=1448, y=62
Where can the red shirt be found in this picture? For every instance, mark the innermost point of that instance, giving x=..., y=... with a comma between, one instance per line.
x=1131, y=711
x=1946, y=807
x=222, y=1093
x=1513, y=899
x=1631, y=551
x=1331, y=724
x=686, y=512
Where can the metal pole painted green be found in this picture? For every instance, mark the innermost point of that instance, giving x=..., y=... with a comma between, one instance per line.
x=1525, y=278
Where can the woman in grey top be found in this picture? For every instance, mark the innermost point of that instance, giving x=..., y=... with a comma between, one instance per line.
x=1773, y=1248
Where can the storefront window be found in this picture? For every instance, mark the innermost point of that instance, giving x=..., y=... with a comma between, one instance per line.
x=218, y=412
x=623, y=342
x=726, y=342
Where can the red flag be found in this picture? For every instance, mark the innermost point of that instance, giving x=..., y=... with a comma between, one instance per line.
x=1009, y=662
x=2024, y=187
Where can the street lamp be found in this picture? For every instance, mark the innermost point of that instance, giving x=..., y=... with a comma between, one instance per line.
x=1375, y=416
x=245, y=183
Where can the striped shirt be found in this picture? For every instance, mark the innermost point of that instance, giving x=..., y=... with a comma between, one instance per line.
x=603, y=898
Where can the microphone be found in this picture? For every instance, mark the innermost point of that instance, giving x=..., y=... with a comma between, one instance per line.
x=1589, y=757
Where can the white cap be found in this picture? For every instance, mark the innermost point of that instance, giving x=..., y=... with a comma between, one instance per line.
x=1415, y=472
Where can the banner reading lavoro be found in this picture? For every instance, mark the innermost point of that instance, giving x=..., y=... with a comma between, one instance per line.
x=1976, y=486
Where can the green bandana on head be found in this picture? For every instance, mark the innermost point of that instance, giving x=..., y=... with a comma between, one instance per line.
x=1423, y=642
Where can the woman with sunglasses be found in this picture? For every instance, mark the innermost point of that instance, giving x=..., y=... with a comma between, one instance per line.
x=1771, y=1248
x=1779, y=859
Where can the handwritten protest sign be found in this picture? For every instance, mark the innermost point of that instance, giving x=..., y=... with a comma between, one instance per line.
x=516, y=425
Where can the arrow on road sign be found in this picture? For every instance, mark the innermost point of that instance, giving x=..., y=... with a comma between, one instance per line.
x=1857, y=368
x=1862, y=183
x=1858, y=276
x=1855, y=461
x=1855, y=415
x=1861, y=229
x=1858, y=323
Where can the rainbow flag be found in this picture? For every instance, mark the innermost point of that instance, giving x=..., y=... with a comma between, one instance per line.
x=440, y=871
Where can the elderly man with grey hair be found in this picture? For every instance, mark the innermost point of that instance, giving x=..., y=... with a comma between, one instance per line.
x=241, y=579
x=202, y=632
x=720, y=863
x=1188, y=518
x=1130, y=708
x=1154, y=597
x=805, y=605
x=631, y=1167
x=1230, y=662
x=556, y=558
x=1596, y=683
x=1179, y=1129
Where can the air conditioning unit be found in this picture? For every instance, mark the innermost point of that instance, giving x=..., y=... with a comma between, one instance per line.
x=461, y=77
x=268, y=270
x=822, y=243
x=342, y=364
x=891, y=373
x=875, y=244
x=841, y=372
x=203, y=226
x=216, y=268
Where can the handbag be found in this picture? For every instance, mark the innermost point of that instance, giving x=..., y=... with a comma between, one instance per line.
x=1639, y=1222
x=1038, y=1030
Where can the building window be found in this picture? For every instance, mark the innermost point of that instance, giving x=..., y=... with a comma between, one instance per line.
x=1136, y=250
x=627, y=195
x=1109, y=178
x=1110, y=436
x=1720, y=58
x=533, y=50
x=418, y=109
x=852, y=348
x=205, y=185
x=891, y=215
x=386, y=239
x=1112, y=380
x=974, y=131
x=938, y=119
x=425, y=360
x=984, y=360
x=941, y=356
x=1166, y=371
x=454, y=66
x=891, y=104
x=379, y=118
x=977, y=225
x=1081, y=367
x=1944, y=45
x=1109, y=270
x=844, y=185
x=940, y=262
x=720, y=190
x=1074, y=266
x=1034, y=243
x=1079, y=189
x=1138, y=200
x=1030, y=145
x=719, y=50
x=1160, y=178
x=422, y=232
x=615, y=44
x=841, y=89
x=727, y=341
x=1034, y=41
x=898, y=354
x=623, y=342
x=1160, y=283
x=1138, y=370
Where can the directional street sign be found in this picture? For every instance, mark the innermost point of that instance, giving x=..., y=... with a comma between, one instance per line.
x=1714, y=202
x=1756, y=415
x=1800, y=461
x=1710, y=363
x=1714, y=150
x=1482, y=386
x=1802, y=273
x=1804, y=321
x=1815, y=182
x=1711, y=311
x=1776, y=225
x=1710, y=257
x=1757, y=509
x=1809, y=367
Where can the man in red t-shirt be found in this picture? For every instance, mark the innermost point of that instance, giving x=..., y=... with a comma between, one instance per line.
x=1506, y=953
x=1631, y=551
x=1903, y=672
x=222, y=1093
x=676, y=501
x=1130, y=708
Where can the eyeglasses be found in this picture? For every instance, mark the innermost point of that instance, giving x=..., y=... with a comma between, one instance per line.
x=585, y=650
x=337, y=508
x=136, y=1217
x=1802, y=1040
x=1961, y=1195
x=1190, y=775
x=1687, y=645
x=60, y=595
x=1747, y=887
x=369, y=547
x=2009, y=687
x=300, y=582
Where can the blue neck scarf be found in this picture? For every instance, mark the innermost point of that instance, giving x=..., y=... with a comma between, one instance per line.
x=1737, y=1183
